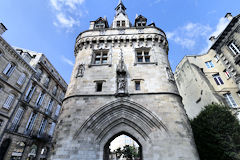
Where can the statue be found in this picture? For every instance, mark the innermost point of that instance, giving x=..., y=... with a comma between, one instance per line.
x=81, y=69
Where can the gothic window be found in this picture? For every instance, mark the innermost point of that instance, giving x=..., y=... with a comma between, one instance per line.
x=99, y=86
x=137, y=85
x=29, y=93
x=9, y=69
x=142, y=56
x=21, y=79
x=209, y=64
x=218, y=79
x=100, y=57
x=40, y=99
x=229, y=99
x=9, y=101
x=234, y=48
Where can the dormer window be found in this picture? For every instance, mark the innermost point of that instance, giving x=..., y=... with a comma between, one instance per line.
x=101, y=23
x=140, y=21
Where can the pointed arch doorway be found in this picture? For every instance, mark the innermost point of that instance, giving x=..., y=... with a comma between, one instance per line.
x=122, y=145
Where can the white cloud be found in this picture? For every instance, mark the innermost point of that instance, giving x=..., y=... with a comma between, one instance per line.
x=68, y=61
x=64, y=21
x=187, y=36
x=222, y=24
x=67, y=12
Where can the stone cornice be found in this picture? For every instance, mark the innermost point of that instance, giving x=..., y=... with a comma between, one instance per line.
x=9, y=49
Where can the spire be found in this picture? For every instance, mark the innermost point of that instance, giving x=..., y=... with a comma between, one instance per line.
x=120, y=8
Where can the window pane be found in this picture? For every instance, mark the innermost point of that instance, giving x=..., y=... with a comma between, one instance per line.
x=137, y=85
x=147, y=59
x=104, y=61
x=97, y=61
x=99, y=87
x=140, y=59
x=139, y=53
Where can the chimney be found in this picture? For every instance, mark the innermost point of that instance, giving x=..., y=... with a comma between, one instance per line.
x=212, y=38
x=2, y=28
x=229, y=16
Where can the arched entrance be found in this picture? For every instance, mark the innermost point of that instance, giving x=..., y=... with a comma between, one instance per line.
x=4, y=147
x=130, y=148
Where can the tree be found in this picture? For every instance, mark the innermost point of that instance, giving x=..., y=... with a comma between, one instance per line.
x=217, y=133
x=130, y=152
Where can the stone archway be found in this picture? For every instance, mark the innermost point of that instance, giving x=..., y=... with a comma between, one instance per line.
x=107, y=145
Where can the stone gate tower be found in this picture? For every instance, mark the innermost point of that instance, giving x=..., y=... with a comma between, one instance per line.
x=122, y=83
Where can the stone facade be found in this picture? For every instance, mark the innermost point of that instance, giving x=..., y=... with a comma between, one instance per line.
x=122, y=83
x=30, y=121
x=212, y=77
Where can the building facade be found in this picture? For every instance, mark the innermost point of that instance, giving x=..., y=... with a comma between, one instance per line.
x=122, y=83
x=214, y=76
x=37, y=104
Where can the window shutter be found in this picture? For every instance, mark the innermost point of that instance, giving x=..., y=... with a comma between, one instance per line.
x=17, y=117
x=58, y=110
x=7, y=68
x=9, y=101
x=52, y=129
x=21, y=79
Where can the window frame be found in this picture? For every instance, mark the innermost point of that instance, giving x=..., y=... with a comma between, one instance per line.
x=102, y=58
x=218, y=79
x=9, y=101
x=234, y=48
x=9, y=69
x=143, y=55
x=230, y=100
x=21, y=79
x=137, y=85
x=209, y=64
x=99, y=84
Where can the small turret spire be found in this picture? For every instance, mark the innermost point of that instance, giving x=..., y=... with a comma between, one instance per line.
x=120, y=8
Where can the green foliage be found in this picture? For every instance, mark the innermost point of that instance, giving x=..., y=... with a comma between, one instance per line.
x=128, y=152
x=217, y=133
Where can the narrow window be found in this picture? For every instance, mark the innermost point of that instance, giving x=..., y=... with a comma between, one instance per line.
x=9, y=102
x=48, y=108
x=9, y=69
x=51, y=131
x=234, y=48
x=1, y=122
x=54, y=92
x=29, y=93
x=30, y=123
x=137, y=86
x=57, y=112
x=216, y=57
x=47, y=81
x=218, y=79
x=123, y=23
x=21, y=79
x=209, y=64
x=228, y=75
x=42, y=127
x=229, y=99
x=40, y=99
x=139, y=57
x=16, y=119
x=99, y=86
x=146, y=56
x=118, y=24
x=38, y=74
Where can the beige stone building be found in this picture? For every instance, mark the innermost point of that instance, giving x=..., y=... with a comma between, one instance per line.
x=15, y=74
x=122, y=83
x=213, y=77
x=30, y=117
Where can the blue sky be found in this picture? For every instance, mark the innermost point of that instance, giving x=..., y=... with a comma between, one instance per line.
x=51, y=26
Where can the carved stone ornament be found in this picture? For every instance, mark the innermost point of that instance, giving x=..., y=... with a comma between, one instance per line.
x=121, y=78
x=81, y=70
x=170, y=74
